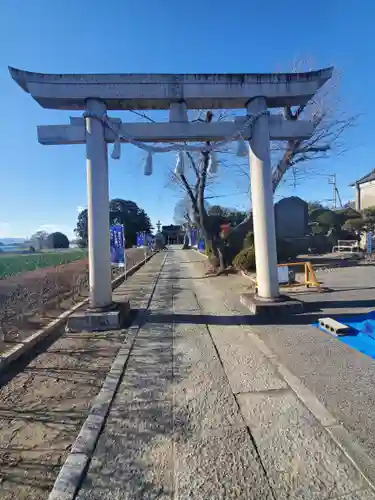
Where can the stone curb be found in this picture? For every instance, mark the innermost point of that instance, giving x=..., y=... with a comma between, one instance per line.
x=72, y=472
x=17, y=351
x=200, y=253
x=245, y=275
x=356, y=454
x=353, y=450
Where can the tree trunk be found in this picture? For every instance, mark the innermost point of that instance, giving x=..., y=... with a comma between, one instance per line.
x=214, y=250
x=186, y=244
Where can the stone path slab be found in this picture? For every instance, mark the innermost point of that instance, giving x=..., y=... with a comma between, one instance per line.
x=201, y=413
x=175, y=430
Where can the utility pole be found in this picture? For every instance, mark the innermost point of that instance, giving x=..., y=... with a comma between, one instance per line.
x=335, y=192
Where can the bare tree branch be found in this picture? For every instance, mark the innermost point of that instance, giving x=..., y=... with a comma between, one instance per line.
x=295, y=157
x=142, y=115
x=330, y=125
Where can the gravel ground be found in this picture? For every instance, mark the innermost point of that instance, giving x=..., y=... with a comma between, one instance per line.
x=45, y=399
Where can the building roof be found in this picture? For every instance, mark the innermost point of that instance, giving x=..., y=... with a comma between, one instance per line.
x=366, y=178
x=171, y=227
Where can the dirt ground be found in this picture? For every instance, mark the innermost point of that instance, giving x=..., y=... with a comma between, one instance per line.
x=44, y=400
x=30, y=300
x=42, y=409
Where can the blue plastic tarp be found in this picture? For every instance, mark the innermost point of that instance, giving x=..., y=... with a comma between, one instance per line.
x=363, y=338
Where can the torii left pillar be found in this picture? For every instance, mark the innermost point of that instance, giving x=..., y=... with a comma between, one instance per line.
x=98, y=207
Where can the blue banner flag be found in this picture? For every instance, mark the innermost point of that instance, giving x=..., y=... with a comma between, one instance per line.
x=202, y=245
x=369, y=237
x=194, y=237
x=117, y=243
x=150, y=240
x=141, y=239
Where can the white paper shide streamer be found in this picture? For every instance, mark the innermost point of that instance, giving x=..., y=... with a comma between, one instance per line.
x=148, y=165
x=180, y=165
x=212, y=164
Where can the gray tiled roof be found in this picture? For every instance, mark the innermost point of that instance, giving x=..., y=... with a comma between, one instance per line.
x=366, y=178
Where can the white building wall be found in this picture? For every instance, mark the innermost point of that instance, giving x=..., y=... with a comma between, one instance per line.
x=367, y=195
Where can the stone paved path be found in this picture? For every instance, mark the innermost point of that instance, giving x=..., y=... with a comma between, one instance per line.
x=201, y=413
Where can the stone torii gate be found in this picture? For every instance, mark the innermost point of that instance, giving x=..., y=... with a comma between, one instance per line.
x=95, y=94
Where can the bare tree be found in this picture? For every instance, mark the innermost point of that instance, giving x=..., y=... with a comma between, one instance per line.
x=298, y=158
x=182, y=212
x=330, y=122
x=39, y=239
x=293, y=157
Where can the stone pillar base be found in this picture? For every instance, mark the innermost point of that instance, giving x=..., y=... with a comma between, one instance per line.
x=271, y=307
x=113, y=317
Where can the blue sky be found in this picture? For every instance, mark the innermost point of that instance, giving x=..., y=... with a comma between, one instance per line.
x=42, y=187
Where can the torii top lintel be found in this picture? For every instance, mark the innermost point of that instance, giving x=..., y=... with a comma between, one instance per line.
x=158, y=91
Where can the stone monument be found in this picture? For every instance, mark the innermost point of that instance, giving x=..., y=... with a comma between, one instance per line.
x=291, y=218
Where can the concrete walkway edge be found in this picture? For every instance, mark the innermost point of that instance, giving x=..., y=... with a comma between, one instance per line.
x=76, y=463
x=337, y=432
x=353, y=451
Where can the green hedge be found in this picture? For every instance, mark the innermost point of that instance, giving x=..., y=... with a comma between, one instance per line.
x=245, y=259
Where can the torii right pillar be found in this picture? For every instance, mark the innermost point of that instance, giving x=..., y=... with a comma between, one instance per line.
x=262, y=203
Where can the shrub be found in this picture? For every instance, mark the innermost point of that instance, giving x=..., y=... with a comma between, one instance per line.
x=318, y=230
x=319, y=244
x=328, y=219
x=249, y=240
x=57, y=240
x=286, y=250
x=353, y=225
x=245, y=259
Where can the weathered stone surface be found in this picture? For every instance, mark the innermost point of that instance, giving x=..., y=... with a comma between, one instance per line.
x=219, y=466
x=301, y=459
x=203, y=400
x=351, y=445
x=134, y=456
x=358, y=495
x=291, y=217
x=175, y=430
x=94, y=321
x=279, y=308
x=149, y=370
x=246, y=367
x=68, y=480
